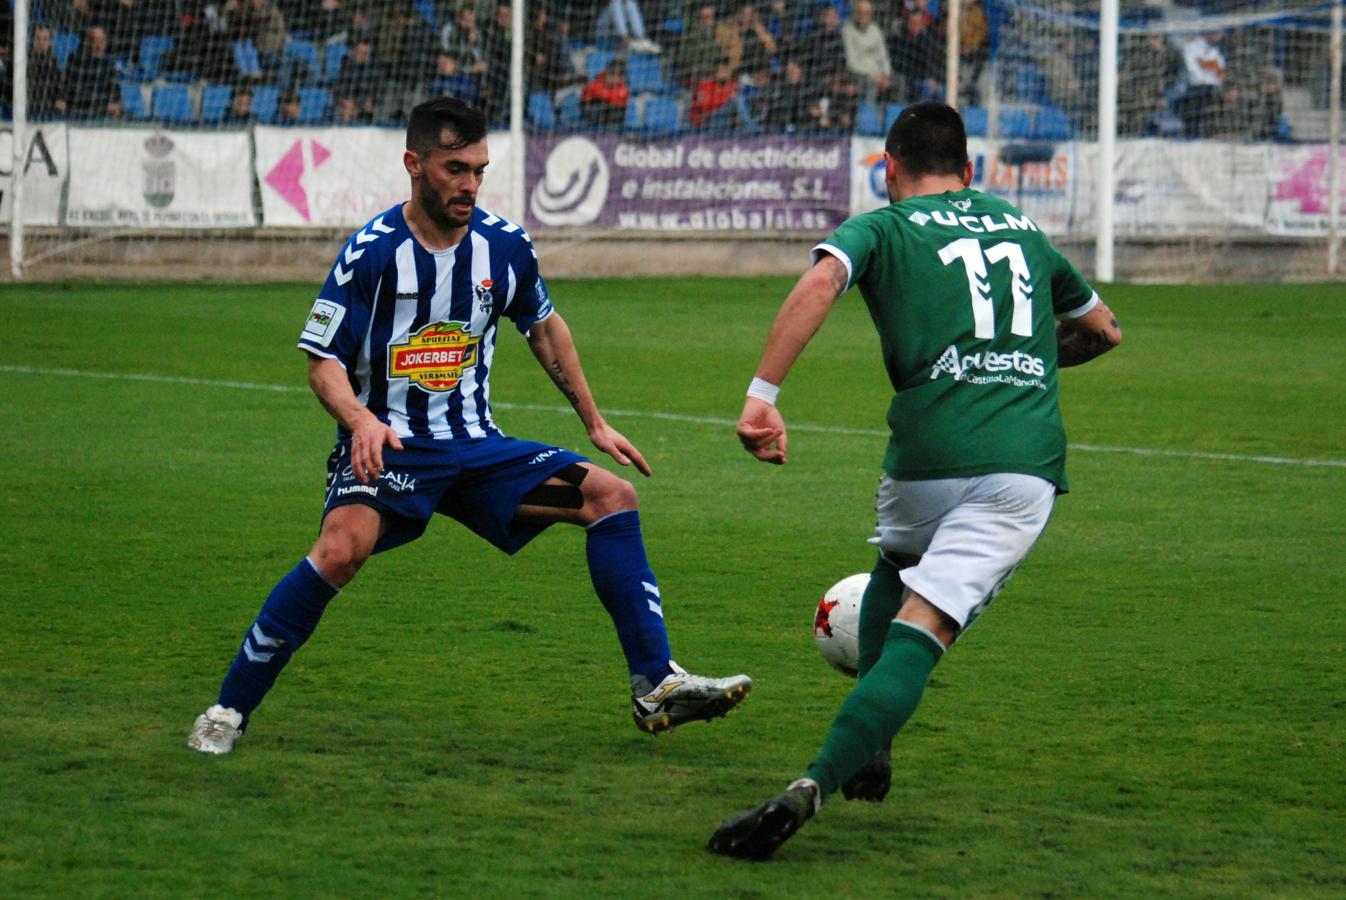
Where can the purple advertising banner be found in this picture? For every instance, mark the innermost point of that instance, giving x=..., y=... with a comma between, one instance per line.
x=691, y=183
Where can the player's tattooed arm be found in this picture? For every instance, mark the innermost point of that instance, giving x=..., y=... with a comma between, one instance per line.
x=558, y=377
x=836, y=272
x=1089, y=336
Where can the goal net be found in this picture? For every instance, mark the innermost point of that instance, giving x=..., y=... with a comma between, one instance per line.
x=177, y=138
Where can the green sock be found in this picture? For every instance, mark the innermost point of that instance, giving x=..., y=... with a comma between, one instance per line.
x=883, y=599
x=878, y=707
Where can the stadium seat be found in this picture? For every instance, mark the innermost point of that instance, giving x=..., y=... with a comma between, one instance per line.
x=427, y=10
x=305, y=52
x=152, y=50
x=635, y=109
x=890, y=114
x=645, y=74
x=1030, y=85
x=541, y=112
x=1051, y=124
x=568, y=114
x=332, y=56
x=265, y=102
x=64, y=44
x=314, y=104
x=663, y=115
x=1016, y=123
x=975, y=120
x=215, y=100
x=172, y=103
x=246, y=60
x=597, y=61
x=867, y=119
x=133, y=100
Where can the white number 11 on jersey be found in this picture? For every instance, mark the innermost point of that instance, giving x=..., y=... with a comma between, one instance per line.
x=974, y=263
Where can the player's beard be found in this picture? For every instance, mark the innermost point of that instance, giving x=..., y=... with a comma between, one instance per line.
x=438, y=210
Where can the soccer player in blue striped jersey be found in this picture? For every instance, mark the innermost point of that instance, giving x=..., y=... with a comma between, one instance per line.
x=400, y=344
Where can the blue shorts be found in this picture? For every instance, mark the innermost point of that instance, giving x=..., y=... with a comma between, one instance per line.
x=478, y=481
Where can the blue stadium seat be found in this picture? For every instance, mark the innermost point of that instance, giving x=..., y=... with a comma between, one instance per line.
x=890, y=114
x=1016, y=123
x=541, y=112
x=975, y=120
x=568, y=112
x=867, y=119
x=314, y=104
x=64, y=44
x=215, y=100
x=172, y=103
x=133, y=100
x=645, y=74
x=265, y=103
x=427, y=10
x=246, y=59
x=152, y=50
x=1030, y=85
x=663, y=115
x=305, y=52
x=635, y=109
x=597, y=61
x=1051, y=124
x=332, y=56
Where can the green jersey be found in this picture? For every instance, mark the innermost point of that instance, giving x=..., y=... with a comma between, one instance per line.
x=965, y=292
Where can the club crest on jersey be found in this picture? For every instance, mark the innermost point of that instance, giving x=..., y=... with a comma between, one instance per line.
x=434, y=357
x=963, y=205
x=485, y=299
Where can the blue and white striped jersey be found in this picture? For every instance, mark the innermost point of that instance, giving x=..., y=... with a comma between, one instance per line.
x=416, y=330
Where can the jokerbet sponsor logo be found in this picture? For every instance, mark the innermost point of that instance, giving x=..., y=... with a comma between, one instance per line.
x=434, y=357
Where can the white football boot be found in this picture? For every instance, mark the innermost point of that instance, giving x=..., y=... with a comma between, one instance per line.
x=684, y=697
x=216, y=730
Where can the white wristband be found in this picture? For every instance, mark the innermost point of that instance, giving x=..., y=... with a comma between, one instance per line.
x=764, y=390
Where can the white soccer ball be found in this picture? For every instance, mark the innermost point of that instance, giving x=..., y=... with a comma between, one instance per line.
x=836, y=624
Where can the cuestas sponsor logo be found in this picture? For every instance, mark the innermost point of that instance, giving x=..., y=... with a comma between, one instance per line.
x=961, y=367
x=434, y=357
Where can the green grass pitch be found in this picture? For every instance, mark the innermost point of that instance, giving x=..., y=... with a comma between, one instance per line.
x=1154, y=707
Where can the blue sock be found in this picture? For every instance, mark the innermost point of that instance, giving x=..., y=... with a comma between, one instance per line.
x=287, y=619
x=622, y=577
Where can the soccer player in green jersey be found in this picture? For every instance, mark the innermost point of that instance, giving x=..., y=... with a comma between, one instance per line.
x=976, y=311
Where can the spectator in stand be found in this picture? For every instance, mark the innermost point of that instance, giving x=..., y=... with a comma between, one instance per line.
x=92, y=77
x=1205, y=69
x=710, y=106
x=240, y=106
x=918, y=57
x=449, y=81
x=790, y=102
x=621, y=19
x=287, y=111
x=546, y=56
x=347, y=112
x=328, y=20
x=699, y=50
x=464, y=42
x=361, y=80
x=1150, y=68
x=603, y=100
x=839, y=92
x=745, y=41
x=867, y=52
x=497, y=37
x=264, y=25
x=72, y=17
x=127, y=22
x=46, y=81
x=974, y=50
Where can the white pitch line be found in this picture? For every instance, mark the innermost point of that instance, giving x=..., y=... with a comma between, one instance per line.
x=672, y=417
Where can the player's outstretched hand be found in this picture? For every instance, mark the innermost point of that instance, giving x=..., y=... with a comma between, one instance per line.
x=762, y=431
x=614, y=444
x=367, y=448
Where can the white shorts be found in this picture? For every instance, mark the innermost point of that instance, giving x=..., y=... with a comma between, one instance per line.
x=970, y=533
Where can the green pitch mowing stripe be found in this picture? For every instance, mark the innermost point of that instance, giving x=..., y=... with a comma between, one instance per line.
x=671, y=417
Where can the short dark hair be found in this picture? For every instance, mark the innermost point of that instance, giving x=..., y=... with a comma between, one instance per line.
x=429, y=121
x=928, y=138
